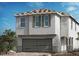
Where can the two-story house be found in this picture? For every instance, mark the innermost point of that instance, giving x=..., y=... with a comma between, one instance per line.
x=46, y=30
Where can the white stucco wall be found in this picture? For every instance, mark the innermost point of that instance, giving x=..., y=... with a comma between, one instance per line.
x=73, y=33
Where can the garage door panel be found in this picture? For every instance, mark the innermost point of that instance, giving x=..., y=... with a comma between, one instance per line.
x=36, y=44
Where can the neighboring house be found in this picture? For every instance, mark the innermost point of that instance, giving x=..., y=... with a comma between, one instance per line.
x=46, y=30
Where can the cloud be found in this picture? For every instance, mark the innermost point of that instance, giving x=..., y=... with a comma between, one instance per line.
x=36, y=4
x=74, y=4
x=71, y=8
x=64, y=4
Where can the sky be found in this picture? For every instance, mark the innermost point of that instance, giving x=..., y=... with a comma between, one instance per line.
x=9, y=9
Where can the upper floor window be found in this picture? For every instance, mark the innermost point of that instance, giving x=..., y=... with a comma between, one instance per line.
x=37, y=21
x=41, y=20
x=46, y=20
x=23, y=22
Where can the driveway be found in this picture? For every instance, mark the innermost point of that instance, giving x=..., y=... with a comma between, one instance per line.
x=28, y=54
x=42, y=54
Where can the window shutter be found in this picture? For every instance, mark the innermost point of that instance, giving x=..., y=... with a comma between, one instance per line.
x=49, y=20
x=42, y=20
x=33, y=24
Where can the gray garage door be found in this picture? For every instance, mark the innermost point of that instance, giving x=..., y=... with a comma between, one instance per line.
x=36, y=44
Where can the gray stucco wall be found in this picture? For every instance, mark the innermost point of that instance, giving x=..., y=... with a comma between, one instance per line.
x=56, y=46
x=57, y=40
x=59, y=27
x=64, y=26
x=22, y=30
x=42, y=30
x=19, y=44
x=29, y=30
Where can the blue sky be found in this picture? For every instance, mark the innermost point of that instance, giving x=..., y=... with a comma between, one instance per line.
x=9, y=9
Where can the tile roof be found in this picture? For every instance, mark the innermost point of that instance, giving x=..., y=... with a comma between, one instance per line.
x=45, y=11
x=41, y=11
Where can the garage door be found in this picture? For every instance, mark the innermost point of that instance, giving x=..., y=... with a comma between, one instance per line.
x=36, y=44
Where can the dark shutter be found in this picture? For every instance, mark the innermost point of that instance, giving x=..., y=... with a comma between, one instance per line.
x=49, y=20
x=33, y=24
x=42, y=20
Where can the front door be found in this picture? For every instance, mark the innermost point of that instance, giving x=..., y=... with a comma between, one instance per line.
x=63, y=44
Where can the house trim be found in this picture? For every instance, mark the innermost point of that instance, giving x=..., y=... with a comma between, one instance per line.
x=38, y=36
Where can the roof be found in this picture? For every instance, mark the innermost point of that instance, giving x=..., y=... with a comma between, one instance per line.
x=45, y=11
x=74, y=19
x=41, y=11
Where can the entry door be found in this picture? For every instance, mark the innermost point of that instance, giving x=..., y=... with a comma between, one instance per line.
x=63, y=45
x=70, y=44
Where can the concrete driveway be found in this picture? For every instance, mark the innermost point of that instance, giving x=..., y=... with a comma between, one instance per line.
x=42, y=54
x=28, y=54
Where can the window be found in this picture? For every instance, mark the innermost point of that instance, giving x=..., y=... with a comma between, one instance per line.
x=37, y=21
x=41, y=20
x=22, y=22
x=46, y=20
